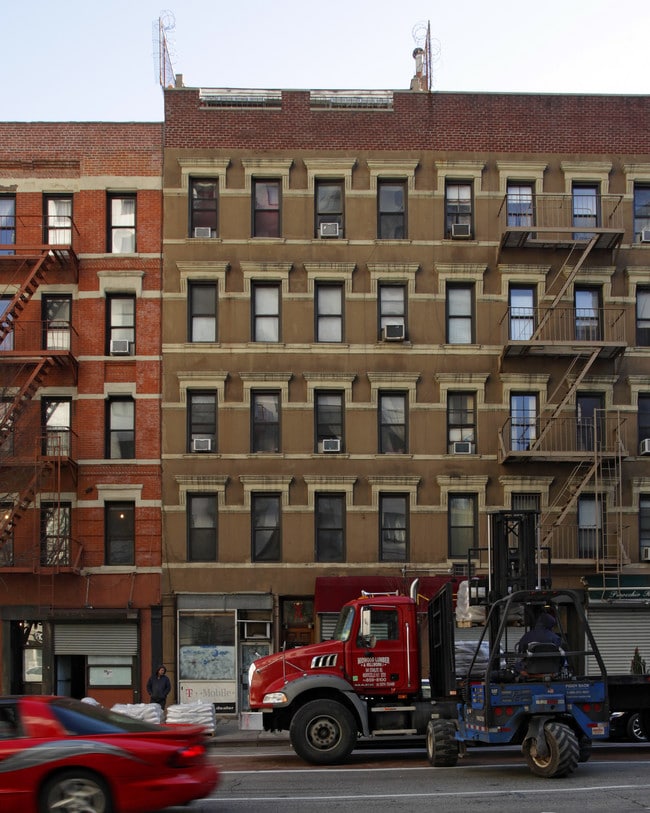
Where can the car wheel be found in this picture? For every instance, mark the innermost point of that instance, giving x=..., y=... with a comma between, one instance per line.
x=635, y=728
x=75, y=791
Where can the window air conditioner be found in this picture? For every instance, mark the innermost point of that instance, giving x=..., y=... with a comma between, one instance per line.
x=644, y=446
x=463, y=447
x=461, y=230
x=393, y=333
x=645, y=235
x=120, y=347
x=202, y=445
x=331, y=445
x=202, y=231
x=329, y=229
x=645, y=554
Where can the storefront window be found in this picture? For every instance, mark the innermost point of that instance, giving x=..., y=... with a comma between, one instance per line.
x=109, y=670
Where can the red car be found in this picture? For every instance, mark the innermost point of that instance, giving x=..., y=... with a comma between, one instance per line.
x=59, y=754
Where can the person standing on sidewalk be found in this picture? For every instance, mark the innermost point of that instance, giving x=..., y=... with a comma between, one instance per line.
x=158, y=686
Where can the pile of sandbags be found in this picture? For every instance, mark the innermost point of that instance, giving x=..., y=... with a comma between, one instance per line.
x=148, y=712
x=198, y=713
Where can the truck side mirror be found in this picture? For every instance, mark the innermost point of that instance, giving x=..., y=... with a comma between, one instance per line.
x=366, y=638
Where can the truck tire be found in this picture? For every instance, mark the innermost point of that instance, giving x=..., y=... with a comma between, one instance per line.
x=442, y=747
x=584, y=749
x=563, y=752
x=323, y=732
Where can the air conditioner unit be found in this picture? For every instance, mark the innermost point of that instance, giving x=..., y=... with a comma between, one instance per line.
x=202, y=445
x=120, y=347
x=644, y=446
x=645, y=554
x=329, y=229
x=393, y=333
x=645, y=235
x=461, y=230
x=462, y=447
x=202, y=231
x=331, y=445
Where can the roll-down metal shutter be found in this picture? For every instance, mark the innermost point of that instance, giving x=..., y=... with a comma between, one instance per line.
x=617, y=633
x=96, y=639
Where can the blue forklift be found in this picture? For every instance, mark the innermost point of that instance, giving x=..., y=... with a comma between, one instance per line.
x=548, y=696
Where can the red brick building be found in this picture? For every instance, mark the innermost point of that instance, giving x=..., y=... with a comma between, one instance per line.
x=80, y=528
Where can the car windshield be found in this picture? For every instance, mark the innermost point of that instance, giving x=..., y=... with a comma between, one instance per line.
x=85, y=719
x=344, y=624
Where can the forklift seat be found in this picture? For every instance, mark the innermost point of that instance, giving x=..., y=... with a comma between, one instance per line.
x=542, y=660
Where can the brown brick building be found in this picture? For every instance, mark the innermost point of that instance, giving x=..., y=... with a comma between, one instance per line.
x=80, y=529
x=386, y=315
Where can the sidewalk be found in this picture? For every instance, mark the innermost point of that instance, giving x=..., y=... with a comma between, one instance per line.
x=227, y=732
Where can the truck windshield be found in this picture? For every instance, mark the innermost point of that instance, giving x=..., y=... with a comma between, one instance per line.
x=344, y=624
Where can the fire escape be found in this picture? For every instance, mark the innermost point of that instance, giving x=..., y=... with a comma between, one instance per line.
x=35, y=456
x=570, y=340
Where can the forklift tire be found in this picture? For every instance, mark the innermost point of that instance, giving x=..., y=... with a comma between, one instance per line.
x=323, y=732
x=563, y=752
x=584, y=749
x=442, y=747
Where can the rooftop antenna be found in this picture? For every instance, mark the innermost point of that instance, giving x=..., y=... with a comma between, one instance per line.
x=426, y=52
x=162, y=59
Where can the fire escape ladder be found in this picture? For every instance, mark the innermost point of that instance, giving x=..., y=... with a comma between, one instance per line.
x=569, y=274
x=25, y=394
x=25, y=498
x=28, y=288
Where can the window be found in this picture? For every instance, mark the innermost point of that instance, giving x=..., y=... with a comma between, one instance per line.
x=523, y=421
x=202, y=300
x=121, y=322
x=266, y=209
x=392, y=423
x=522, y=313
x=462, y=515
x=57, y=216
x=120, y=422
x=330, y=528
x=265, y=431
x=121, y=224
x=520, y=204
x=266, y=542
x=329, y=313
x=590, y=525
x=203, y=207
x=644, y=523
x=643, y=317
x=587, y=307
x=201, y=528
x=119, y=522
x=329, y=205
x=202, y=421
x=393, y=531
x=329, y=417
x=8, y=342
x=55, y=534
x=644, y=417
x=56, y=425
x=590, y=415
x=458, y=208
x=391, y=199
x=109, y=670
x=266, y=313
x=641, y=210
x=6, y=546
x=460, y=322
x=461, y=421
x=526, y=502
x=7, y=223
x=586, y=209
x=392, y=307
x=57, y=316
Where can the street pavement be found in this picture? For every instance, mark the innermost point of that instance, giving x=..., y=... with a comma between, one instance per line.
x=227, y=732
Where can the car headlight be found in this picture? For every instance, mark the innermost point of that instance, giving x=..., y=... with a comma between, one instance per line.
x=274, y=698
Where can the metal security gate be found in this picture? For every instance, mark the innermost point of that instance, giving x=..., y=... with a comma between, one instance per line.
x=96, y=639
x=617, y=633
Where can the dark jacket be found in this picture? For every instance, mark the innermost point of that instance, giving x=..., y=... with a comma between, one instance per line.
x=158, y=687
x=542, y=633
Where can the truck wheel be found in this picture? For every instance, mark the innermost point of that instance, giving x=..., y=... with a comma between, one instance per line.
x=323, y=732
x=563, y=752
x=442, y=747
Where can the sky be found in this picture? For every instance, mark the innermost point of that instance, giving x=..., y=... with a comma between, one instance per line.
x=84, y=60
